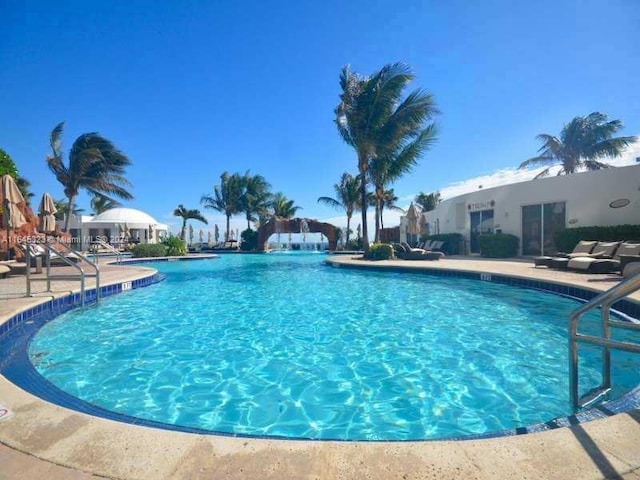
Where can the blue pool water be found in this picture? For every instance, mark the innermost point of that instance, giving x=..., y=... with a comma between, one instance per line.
x=283, y=345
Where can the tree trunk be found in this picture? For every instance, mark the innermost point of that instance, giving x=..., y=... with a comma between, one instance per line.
x=346, y=243
x=381, y=218
x=184, y=228
x=362, y=165
x=72, y=200
x=378, y=214
x=226, y=238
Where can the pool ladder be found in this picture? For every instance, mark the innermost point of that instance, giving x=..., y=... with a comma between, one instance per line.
x=55, y=251
x=604, y=301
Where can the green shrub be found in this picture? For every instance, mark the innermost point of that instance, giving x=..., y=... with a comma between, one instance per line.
x=354, y=244
x=499, y=245
x=149, y=250
x=249, y=240
x=380, y=251
x=176, y=247
x=451, y=241
x=567, y=239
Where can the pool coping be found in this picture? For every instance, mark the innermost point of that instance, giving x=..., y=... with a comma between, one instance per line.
x=22, y=443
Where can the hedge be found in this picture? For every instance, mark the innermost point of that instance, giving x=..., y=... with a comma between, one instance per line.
x=380, y=251
x=149, y=250
x=451, y=241
x=499, y=245
x=567, y=239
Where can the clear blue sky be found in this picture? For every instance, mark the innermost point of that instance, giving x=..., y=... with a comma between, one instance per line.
x=191, y=89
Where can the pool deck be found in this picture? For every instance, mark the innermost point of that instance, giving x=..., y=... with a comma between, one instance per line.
x=42, y=440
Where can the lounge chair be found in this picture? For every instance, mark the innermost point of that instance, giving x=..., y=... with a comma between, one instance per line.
x=4, y=271
x=402, y=252
x=583, y=247
x=38, y=251
x=602, y=250
x=606, y=265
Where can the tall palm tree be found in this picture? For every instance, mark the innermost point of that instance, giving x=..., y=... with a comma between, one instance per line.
x=188, y=214
x=283, y=207
x=583, y=141
x=226, y=198
x=393, y=164
x=100, y=203
x=347, y=197
x=373, y=118
x=427, y=201
x=255, y=197
x=95, y=165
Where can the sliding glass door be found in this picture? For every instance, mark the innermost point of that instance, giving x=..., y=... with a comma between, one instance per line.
x=540, y=223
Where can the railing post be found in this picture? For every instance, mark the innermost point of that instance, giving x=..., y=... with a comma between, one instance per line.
x=606, y=351
x=573, y=363
x=28, y=260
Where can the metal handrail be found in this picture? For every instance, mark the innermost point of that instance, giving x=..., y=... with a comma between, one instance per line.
x=109, y=247
x=603, y=300
x=50, y=248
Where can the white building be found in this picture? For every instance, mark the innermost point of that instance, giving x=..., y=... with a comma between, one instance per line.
x=113, y=226
x=534, y=210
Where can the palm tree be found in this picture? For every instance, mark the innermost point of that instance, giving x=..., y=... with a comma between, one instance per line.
x=347, y=197
x=226, y=198
x=392, y=165
x=389, y=199
x=373, y=118
x=255, y=197
x=95, y=165
x=427, y=201
x=583, y=141
x=62, y=207
x=283, y=207
x=188, y=214
x=100, y=203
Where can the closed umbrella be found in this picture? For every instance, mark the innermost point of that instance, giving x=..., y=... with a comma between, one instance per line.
x=201, y=237
x=216, y=233
x=152, y=232
x=47, y=211
x=190, y=234
x=12, y=217
x=412, y=220
x=209, y=238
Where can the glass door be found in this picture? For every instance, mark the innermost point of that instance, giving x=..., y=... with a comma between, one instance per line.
x=481, y=222
x=540, y=223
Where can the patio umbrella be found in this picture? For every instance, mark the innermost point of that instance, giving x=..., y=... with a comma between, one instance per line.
x=209, y=238
x=201, y=236
x=412, y=220
x=12, y=217
x=47, y=211
x=423, y=225
x=216, y=233
x=152, y=231
x=190, y=234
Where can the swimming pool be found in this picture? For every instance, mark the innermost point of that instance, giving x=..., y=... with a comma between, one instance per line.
x=281, y=345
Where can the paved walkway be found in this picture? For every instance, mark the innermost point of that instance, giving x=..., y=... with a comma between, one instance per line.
x=58, y=439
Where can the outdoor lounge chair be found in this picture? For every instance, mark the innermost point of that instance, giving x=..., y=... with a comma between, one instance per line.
x=602, y=250
x=607, y=265
x=38, y=251
x=402, y=252
x=4, y=271
x=583, y=247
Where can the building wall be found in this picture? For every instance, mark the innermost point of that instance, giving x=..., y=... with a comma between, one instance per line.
x=588, y=196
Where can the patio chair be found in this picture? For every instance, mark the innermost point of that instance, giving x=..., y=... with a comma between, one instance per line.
x=583, y=247
x=402, y=252
x=602, y=250
x=626, y=253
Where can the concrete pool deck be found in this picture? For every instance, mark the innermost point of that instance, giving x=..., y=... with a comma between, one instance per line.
x=40, y=439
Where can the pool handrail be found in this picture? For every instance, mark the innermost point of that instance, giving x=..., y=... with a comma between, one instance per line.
x=604, y=300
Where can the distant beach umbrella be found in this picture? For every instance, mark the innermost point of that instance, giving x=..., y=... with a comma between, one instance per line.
x=209, y=238
x=125, y=231
x=201, y=236
x=423, y=225
x=12, y=217
x=152, y=232
x=190, y=234
x=47, y=213
x=216, y=233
